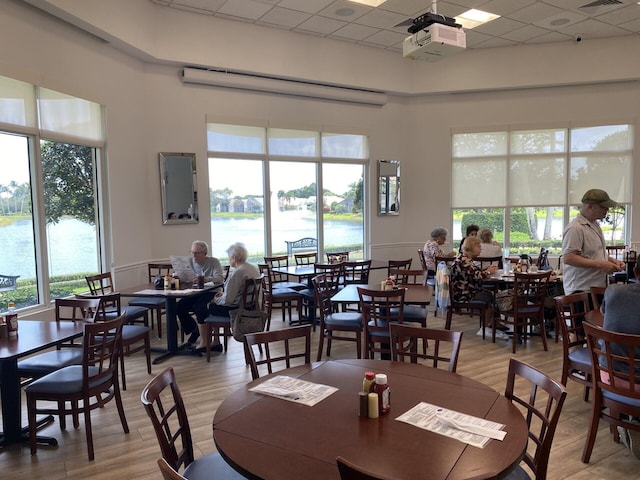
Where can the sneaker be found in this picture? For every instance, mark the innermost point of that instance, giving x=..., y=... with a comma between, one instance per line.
x=623, y=433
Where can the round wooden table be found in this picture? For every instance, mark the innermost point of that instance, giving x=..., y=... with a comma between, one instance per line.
x=270, y=438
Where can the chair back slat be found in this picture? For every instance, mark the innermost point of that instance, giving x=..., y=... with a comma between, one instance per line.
x=76, y=309
x=405, y=339
x=398, y=265
x=158, y=269
x=356, y=271
x=100, y=284
x=305, y=258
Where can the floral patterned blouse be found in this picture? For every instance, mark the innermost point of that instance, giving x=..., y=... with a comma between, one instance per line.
x=430, y=251
x=466, y=278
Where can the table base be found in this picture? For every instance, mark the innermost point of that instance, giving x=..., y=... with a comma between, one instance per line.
x=40, y=439
x=182, y=350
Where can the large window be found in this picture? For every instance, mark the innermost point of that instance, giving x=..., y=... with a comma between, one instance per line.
x=49, y=217
x=271, y=185
x=526, y=184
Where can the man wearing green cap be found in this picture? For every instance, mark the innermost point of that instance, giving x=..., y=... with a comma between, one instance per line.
x=586, y=263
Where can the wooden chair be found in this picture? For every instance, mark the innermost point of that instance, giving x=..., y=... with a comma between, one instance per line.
x=616, y=382
x=155, y=305
x=222, y=323
x=356, y=271
x=351, y=471
x=484, y=262
x=163, y=403
x=576, y=360
x=281, y=280
x=541, y=408
x=530, y=291
x=305, y=258
x=423, y=261
x=135, y=338
x=398, y=265
x=331, y=321
x=404, y=343
x=167, y=472
x=67, y=310
x=412, y=313
x=284, y=297
x=279, y=346
x=616, y=251
x=483, y=310
x=337, y=257
x=597, y=296
x=83, y=387
x=102, y=284
x=380, y=308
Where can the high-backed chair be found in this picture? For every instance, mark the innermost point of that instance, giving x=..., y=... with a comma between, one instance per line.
x=305, y=258
x=597, y=296
x=155, y=305
x=356, y=271
x=470, y=308
x=380, y=308
x=398, y=265
x=576, y=358
x=280, y=346
x=222, y=323
x=67, y=310
x=163, y=403
x=423, y=261
x=412, y=313
x=285, y=298
x=167, y=472
x=279, y=279
x=337, y=257
x=102, y=284
x=530, y=291
x=351, y=471
x=135, y=338
x=334, y=324
x=82, y=387
x=405, y=339
x=616, y=382
x=541, y=407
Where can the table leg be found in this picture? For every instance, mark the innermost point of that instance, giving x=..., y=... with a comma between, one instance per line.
x=172, y=334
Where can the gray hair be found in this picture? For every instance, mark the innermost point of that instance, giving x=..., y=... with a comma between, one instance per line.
x=439, y=232
x=201, y=245
x=485, y=235
x=238, y=251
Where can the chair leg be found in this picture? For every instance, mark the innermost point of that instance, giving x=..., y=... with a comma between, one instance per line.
x=208, y=340
x=320, y=346
x=88, y=431
x=359, y=344
x=147, y=352
x=124, y=380
x=596, y=407
x=447, y=323
x=31, y=407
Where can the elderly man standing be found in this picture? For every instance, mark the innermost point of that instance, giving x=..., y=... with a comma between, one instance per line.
x=586, y=263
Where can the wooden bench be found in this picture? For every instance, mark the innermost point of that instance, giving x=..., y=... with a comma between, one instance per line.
x=8, y=282
x=304, y=244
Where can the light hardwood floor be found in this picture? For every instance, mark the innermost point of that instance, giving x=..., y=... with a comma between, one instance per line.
x=204, y=386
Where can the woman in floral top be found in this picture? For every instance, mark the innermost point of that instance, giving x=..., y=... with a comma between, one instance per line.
x=466, y=278
x=432, y=249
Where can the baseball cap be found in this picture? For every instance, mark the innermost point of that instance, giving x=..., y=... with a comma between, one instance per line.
x=598, y=196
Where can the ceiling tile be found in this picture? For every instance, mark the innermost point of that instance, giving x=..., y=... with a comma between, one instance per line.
x=354, y=31
x=284, y=17
x=249, y=9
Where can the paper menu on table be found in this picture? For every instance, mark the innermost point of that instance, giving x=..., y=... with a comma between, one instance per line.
x=294, y=390
x=427, y=416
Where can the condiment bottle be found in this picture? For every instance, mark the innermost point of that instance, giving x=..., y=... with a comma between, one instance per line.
x=388, y=285
x=175, y=281
x=373, y=405
x=11, y=307
x=384, y=394
x=167, y=282
x=368, y=382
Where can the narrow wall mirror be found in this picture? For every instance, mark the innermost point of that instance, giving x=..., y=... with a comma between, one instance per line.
x=178, y=187
x=388, y=187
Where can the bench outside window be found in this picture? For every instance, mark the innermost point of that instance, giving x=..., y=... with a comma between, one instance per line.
x=304, y=244
x=8, y=282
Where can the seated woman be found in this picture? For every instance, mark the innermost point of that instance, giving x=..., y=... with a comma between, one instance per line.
x=231, y=296
x=466, y=277
x=433, y=249
x=488, y=247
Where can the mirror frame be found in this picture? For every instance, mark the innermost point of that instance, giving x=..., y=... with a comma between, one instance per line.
x=388, y=187
x=180, y=196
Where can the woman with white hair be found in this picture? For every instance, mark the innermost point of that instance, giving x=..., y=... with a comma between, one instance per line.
x=433, y=249
x=231, y=295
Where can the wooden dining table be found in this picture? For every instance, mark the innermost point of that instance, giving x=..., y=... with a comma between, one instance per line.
x=414, y=294
x=171, y=298
x=33, y=336
x=264, y=437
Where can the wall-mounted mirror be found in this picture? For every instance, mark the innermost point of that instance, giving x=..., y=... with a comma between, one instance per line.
x=388, y=187
x=178, y=187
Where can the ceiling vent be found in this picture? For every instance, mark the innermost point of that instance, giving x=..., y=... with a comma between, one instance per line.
x=600, y=6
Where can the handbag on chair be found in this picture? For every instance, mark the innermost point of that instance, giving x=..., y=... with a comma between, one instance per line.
x=246, y=321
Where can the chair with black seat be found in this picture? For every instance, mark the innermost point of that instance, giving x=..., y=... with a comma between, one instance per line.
x=333, y=324
x=337, y=257
x=576, y=358
x=284, y=297
x=221, y=325
x=469, y=308
x=530, y=291
x=102, y=284
x=412, y=313
x=597, y=296
x=398, y=265
x=163, y=403
x=155, y=305
x=405, y=339
x=351, y=471
x=541, y=409
x=305, y=258
x=67, y=310
x=279, y=279
x=379, y=309
x=282, y=345
x=83, y=387
x=135, y=338
x=615, y=370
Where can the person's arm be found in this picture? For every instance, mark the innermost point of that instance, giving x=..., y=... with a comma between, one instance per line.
x=216, y=275
x=574, y=259
x=232, y=290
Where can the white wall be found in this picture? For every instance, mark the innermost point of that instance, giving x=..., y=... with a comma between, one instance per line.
x=149, y=111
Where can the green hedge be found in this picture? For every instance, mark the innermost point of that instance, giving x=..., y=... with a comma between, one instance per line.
x=26, y=294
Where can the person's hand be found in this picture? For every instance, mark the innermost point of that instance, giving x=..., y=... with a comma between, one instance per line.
x=609, y=267
x=492, y=269
x=218, y=294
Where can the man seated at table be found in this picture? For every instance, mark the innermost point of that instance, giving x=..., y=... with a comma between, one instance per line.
x=620, y=309
x=212, y=270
